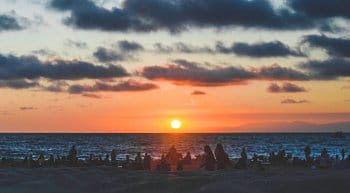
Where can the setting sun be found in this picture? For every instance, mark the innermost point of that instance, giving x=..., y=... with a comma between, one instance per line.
x=175, y=124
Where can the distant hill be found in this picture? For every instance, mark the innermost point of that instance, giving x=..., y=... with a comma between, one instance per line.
x=293, y=127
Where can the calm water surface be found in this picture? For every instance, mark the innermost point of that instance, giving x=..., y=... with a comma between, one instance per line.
x=20, y=145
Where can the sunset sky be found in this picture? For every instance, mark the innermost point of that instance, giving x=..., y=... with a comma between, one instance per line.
x=133, y=65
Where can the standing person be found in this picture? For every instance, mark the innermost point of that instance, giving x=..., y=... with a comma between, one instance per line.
x=147, y=162
x=209, y=159
x=113, y=156
x=221, y=157
x=72, y=156
x=242, y=162
x=138, y=161
x=307, y=151
x=342, y=153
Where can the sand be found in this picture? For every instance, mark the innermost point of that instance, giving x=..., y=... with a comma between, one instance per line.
x=111, y=179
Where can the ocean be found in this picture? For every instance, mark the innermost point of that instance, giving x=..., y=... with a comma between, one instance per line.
x=18, y=146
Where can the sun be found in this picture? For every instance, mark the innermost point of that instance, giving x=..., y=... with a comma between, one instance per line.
x=175, y=124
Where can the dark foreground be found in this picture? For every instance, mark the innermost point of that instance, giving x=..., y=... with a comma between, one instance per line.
x=112, y=179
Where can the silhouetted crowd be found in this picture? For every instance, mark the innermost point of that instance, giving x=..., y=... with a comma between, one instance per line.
x=174, y=161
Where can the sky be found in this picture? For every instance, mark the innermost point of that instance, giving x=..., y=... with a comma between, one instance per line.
x=133, y=66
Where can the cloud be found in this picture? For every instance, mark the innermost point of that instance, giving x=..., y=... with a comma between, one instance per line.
x=89, y=95
x=8, y=22
x=191, y=73
x=55, y=86
x=332, y=68
x=18, y=84
x=129, y=85
x=277, y=72
x=258, y=50
x=285, y=88
x=27, y=108
x=76, y=44
x=129, y=46
x=333, y=46
x=44, y=52
x=198, y=92
x=292, y=101
x=30, y=67
x=181, y=47
x=322, y=8
x=108, y=55
x=123, y=50
x=179, y=15
x=184, y=72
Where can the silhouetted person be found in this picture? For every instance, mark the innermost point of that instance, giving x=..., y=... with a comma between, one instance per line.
x=209, y=159
x=147, y=162
x=242, y=162
x=163, y=165
x=127, y=163
x=64, y=160
x=106, y=159
x=272, y=157
x=173, y=156
x=113, y=156
x=58, y=161
x=221, y=157
x=342, y=153
x=138, y=161
x=51, y=161
x=72, y=156
x=187, y=159
x=324, y=153
x=307, y=152
x=41, y=160
x=179, y=166
x=25, y=162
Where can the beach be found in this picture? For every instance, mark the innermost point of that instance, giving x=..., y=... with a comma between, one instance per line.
x=108, y=179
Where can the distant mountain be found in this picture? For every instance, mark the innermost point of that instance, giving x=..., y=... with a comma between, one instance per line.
x=293, y=127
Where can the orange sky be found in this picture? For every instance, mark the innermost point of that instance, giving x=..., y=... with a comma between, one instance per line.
x=93, y=74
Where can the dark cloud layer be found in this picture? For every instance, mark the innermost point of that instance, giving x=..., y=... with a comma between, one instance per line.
x=123, y=50
x=175, y=16
x=276, y=72
x=285, y=88
x=293, y=101
x=108, y=55
x=129, y=46
x=8, y=22
x=30, y=67
x=255, y=50
x=261, y=49
x=333, y=46
x=322, y=8
x=130, y=85
x=192, y=73
x=18, y=84
x=181, y=47
x=332, y=68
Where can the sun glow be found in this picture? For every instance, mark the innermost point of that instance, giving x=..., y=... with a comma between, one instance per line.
x=175, y=124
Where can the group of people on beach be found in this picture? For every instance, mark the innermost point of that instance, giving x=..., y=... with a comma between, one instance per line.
x=173, y=160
